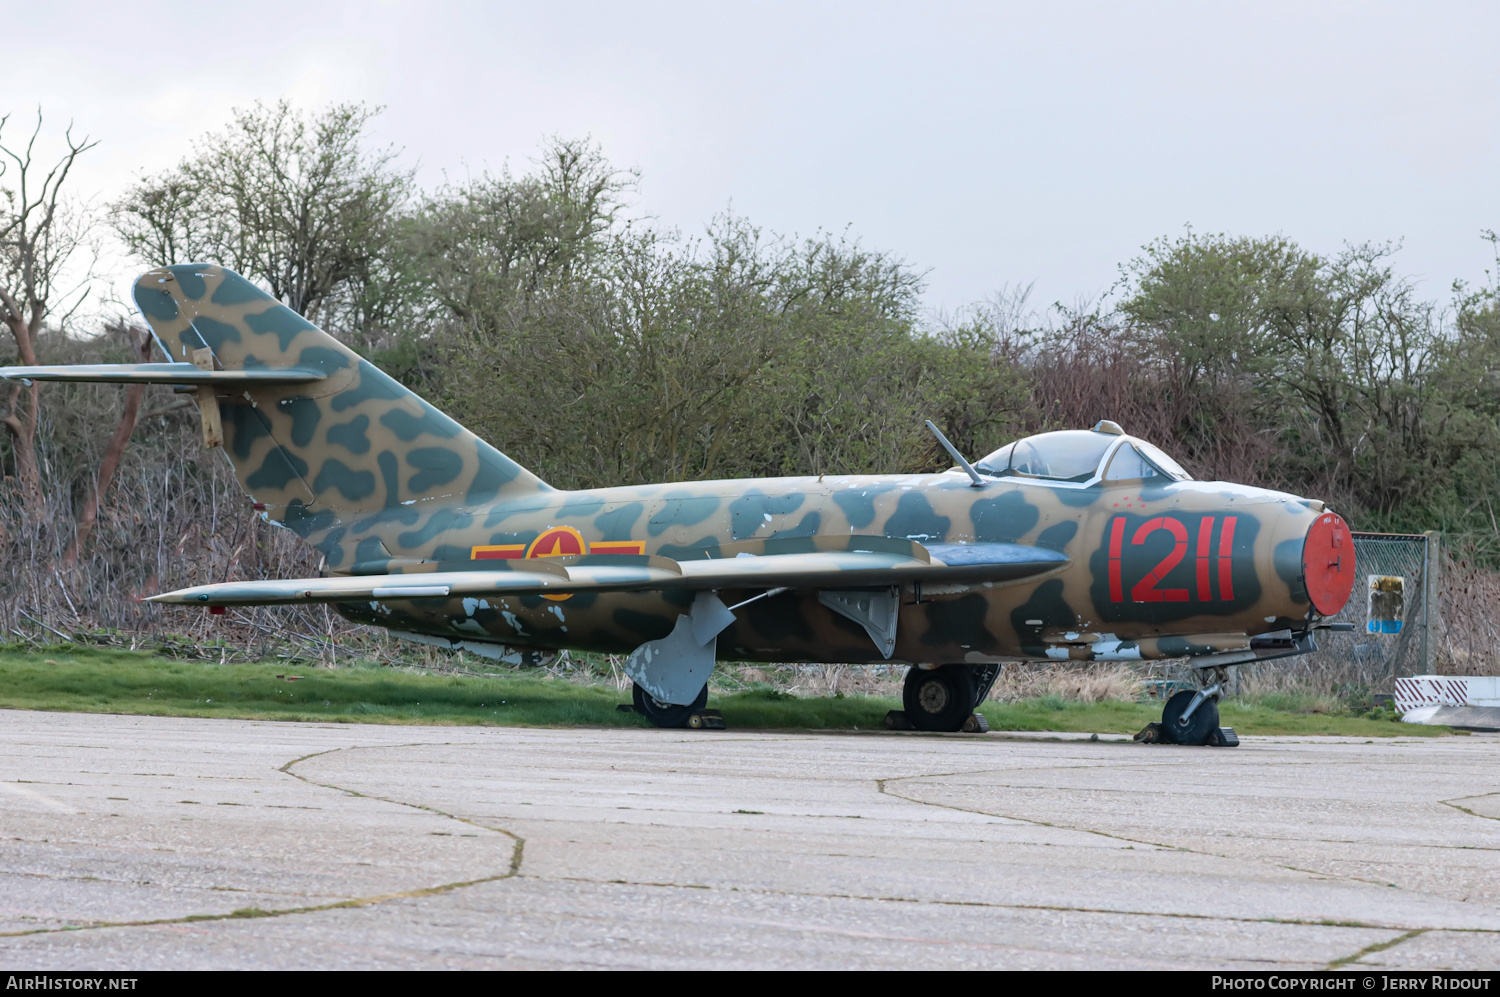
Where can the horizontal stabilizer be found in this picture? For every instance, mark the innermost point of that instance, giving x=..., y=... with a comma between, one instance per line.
x=161, y=373
x=829, y=569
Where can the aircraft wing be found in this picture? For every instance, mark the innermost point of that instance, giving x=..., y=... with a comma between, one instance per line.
x=360, y=588
x=161, y=373
x=819, y=569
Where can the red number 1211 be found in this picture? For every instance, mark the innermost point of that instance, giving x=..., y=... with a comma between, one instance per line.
x=1146, y=589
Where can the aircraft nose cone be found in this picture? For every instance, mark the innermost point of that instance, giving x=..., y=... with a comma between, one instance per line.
x=1328, y=563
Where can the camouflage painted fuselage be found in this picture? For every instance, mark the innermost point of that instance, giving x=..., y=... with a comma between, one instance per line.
x=380, y=482
x=1202, y=602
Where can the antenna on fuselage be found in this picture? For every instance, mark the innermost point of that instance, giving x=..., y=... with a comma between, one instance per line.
x=974, y=478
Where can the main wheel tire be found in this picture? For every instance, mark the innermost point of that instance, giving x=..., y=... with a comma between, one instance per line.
x=1201, y=726
x=666, y=714
x=939, y=698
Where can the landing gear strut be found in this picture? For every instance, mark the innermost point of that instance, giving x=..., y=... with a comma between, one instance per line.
x=1193, y=717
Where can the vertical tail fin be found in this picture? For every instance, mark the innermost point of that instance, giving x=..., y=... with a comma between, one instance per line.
x=357, y=464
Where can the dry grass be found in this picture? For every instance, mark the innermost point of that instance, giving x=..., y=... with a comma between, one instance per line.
x=1079, y=683
x=812, y=679
x=1468, y=625
x=1074, y=683
x=174, y=517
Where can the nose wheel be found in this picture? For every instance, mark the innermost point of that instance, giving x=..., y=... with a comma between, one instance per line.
x=1179, y=726
x=1193, y=717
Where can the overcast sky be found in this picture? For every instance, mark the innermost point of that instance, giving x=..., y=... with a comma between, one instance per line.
x=989, y=143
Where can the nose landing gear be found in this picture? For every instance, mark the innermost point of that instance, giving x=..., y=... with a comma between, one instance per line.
x=1190, y=717
x=1193, y=717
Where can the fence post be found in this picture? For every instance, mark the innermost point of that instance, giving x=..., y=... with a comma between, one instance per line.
x=1431, y=563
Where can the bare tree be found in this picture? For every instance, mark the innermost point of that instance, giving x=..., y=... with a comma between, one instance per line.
x=140, y=348
x=292, y=200
x=40, y=233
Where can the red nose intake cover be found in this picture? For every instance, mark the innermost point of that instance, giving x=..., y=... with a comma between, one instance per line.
x=1328, y=563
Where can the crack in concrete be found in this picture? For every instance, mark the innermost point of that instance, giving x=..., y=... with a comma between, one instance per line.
x=1454, y=804
x=514, y=869
x=1059, y=908
x=883, y=786
x=1377, y=947
x=1265, y=837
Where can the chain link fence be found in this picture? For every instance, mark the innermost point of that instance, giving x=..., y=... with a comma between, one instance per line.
x=1395, y=631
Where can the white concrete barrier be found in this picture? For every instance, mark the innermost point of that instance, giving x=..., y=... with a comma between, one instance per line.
x=1421, y=691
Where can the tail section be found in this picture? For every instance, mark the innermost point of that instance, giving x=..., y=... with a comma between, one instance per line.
x=355, y=463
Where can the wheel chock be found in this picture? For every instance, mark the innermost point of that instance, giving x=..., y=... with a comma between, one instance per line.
x=1223, y=737
x=1151, y=733
x=706, y=720
x=896, y=720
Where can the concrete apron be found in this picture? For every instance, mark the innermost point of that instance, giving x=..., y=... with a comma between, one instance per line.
x=213, y=843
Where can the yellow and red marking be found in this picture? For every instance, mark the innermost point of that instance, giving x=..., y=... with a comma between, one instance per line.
x=495, y=551
x=618, y=547
x=558, y=541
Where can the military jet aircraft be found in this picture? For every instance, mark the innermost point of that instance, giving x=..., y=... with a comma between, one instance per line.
x=1082, y=545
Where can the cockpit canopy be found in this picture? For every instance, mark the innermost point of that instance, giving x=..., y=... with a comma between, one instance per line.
x=1079, y=455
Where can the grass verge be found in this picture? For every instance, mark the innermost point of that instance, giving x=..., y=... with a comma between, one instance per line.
x=113, y=681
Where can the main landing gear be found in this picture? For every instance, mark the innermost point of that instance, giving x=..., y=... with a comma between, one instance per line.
x=1193, y=717
x=943, y=698
x=693, y=715
x=936, y=699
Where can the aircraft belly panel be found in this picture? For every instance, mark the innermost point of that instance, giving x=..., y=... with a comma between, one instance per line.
x=604, y=622
x=792, y=626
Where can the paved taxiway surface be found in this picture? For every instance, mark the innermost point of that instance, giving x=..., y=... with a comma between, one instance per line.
x=421, y=847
